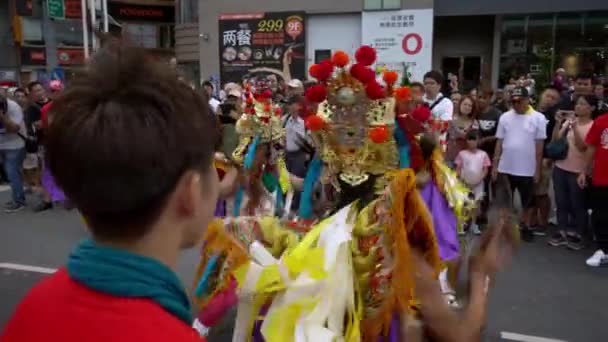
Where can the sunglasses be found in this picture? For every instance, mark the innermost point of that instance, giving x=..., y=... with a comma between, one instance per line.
x=517, y=101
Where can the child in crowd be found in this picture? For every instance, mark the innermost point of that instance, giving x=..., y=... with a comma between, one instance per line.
x=472, y=165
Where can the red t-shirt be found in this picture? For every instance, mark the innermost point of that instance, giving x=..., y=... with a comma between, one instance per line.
x=598, y=137
x=59, y=309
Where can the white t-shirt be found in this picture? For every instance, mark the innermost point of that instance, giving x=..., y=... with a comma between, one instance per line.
x=443, y=110
x=519, y=134
x=12, y=141
x=472, y=165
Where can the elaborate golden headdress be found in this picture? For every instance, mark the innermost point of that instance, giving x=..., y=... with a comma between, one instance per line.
x=353, y=127
x=260, y=123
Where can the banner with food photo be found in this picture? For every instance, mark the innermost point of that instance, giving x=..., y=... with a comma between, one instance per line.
x=269, y=46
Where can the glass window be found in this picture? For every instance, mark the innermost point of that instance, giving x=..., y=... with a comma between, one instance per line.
x=187, y=11
x=568, y=37
x=143, y=35
x=32, y=30
x=68, y=32
x=593, y=50
x=381, y=4
x=167, y=37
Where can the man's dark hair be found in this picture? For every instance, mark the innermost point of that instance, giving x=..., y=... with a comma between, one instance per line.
x=208, y=84
x=435, y=75
x=20, y=90
x=123, y=134
x=585, y=75
x=31, y=85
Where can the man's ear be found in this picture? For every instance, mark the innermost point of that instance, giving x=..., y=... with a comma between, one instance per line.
x=187, y=193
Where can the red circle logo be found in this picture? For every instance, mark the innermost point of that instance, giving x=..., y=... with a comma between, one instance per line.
x=407, y=38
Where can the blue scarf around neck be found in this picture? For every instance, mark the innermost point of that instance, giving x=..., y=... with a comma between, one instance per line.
x=124, y=274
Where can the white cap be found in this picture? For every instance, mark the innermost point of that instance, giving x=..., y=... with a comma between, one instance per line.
x=295, y=83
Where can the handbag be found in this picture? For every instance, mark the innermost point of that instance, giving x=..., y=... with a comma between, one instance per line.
x=31, y=143
x=557, y=149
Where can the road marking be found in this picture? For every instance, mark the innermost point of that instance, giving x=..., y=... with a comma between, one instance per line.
x=27, y=268
x=4, y=188
x=526, y=338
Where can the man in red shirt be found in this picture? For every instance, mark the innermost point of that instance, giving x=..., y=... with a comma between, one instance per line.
x=132, y=147
x=597, y=156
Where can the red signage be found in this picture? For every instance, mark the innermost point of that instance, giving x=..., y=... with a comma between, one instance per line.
x=70, y=56
x=33, y=56
x=135, y=12
x=73, y=9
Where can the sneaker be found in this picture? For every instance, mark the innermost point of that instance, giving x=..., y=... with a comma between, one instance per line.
x=559, y=239
x=526, y=234
x=575, y=243
x=13, y=207
x=43, y=206
x=539, y=231
x=598, y=259
x=9, y=204
x=475, y=229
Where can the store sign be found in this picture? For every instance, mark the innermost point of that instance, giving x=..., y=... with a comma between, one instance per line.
x=33, y=56
x=65, y=57
x=70, y=56
x=262, y=44
x=73, y=9
x=133, y=12
x=401, y=37
x=55, y=9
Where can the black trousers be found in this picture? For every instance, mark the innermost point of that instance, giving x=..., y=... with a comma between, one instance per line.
x=599, y=218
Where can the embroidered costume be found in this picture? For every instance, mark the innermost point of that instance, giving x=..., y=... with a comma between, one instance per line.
x=349, y=276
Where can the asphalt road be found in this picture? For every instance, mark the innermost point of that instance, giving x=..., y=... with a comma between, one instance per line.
x=547, y=292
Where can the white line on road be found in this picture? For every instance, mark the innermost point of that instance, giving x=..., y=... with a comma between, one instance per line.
x=27, y=268
x=4, y=188
x=526, y=338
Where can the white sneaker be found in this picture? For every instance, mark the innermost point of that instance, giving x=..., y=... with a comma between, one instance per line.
x=597, y=259
x=475, y=229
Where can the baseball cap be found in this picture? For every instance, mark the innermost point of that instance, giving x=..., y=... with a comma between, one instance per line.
x=295, y=83
x=519, y=92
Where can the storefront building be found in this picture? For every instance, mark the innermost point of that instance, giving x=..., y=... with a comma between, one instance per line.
x=484, y=42
x=47, y=47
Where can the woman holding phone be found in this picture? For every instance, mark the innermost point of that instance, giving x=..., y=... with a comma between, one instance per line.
x=569, y=197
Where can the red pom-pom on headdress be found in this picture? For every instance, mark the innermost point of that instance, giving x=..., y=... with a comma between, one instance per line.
x=314, y=123
x=374, y=91
x=365, y=55
x=378, y=134
x=362, y=73
x=390, y=77
x=321, y=71
x=421, y=114
x=340, y=59
x=316, y=93
x=402, y=94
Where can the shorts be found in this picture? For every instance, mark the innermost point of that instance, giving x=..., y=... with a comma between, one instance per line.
x=478, y=191
x=31, y=161
x=524, y=186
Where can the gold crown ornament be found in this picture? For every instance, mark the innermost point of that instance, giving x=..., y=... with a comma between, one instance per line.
x=353, y=127
x=260, y=124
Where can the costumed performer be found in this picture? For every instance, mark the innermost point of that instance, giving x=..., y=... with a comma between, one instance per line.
x=351, y=273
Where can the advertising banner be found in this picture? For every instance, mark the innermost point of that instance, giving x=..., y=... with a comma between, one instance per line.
x=401, y=38
x=261, y=44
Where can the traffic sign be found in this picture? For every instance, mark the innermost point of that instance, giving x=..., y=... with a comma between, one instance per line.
x=55, y=9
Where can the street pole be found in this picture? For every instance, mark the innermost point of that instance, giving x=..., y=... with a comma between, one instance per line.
x=50, y=39
x=104, y=8
x=85, y=29
x=93, y=24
